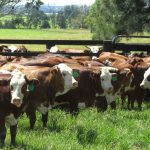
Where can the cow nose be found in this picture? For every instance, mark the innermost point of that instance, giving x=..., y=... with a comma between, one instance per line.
x=17, y=102
x=75, y=84
x=142, y=86
x=110, y=89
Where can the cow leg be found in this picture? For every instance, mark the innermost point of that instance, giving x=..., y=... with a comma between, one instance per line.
x=44, y=119
x=73, y=107
x=113, y=105
x=89, y=102
x=123, y=99
x=32, y=119
x=101, y=104
x=13, y=132
x=2, y=132
x=31, y=113
x=139, y=101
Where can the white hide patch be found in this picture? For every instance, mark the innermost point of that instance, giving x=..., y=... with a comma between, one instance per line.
x=17, y=82
x=61, y=103
x=54, y=49
x=11, y=120
x=81, y=105
x=69, y=81
x=5, y=72
x=145, y=83
x=110, y=98
x=43, y=109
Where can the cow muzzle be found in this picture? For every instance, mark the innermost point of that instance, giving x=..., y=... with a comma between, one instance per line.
x=17, y=102
x=109, y=90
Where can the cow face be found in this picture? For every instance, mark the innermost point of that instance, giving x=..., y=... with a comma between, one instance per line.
x=95, y=49
x=20, y=87
x=146, y=81
x=106, y=78
x=69, y=81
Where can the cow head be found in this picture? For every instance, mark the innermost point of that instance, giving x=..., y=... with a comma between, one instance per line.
x=69, y=80
x=146, y=81
x=106, y=78
x=20, y=87
x=95, y=49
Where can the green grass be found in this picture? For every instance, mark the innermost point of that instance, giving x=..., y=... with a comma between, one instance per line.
x=46, y=34
x=137, y=40
x=90, y=130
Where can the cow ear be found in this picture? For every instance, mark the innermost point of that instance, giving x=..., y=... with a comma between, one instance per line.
x=55, y=70
x=114, y=77
x=33, y=84
x=148, y=78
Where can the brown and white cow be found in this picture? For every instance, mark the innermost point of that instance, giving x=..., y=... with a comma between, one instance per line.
x=8, y=112
x=146, y=80
x=54, y=81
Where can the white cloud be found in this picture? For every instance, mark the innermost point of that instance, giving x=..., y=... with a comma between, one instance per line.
x=68, y=2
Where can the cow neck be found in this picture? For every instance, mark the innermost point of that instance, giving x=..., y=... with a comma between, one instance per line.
x=95, y=83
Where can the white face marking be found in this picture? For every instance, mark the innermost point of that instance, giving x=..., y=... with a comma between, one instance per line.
x=69, y=81
x=17, y=82
x=43, y=109
x=12, y=48
x=145, y=83
x=95, y=49
x=11, y=120
x=106, y=77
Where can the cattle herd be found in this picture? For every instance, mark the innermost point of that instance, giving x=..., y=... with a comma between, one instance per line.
x=41, y=82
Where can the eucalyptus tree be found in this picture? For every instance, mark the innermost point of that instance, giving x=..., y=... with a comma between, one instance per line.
x=109, y=17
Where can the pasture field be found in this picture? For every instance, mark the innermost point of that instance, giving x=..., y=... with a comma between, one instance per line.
x=46, y=34
x=90, y=130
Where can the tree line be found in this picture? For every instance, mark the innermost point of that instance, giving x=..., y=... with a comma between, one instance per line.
x=31, y=16
x=104, y=18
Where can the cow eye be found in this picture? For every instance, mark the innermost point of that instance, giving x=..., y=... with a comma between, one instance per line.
x=64, y=74
x=11, y=87
x=102, y=79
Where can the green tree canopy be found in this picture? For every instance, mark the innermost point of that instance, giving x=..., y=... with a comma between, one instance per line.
x=110, y=17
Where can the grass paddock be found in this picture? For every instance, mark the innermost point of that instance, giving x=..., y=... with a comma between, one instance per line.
x=46, y=34
x=118, y=130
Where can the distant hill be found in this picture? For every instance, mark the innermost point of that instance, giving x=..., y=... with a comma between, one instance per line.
x=44, y=8
x=51, y=9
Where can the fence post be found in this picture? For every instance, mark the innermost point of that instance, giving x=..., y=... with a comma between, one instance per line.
x=108, y=47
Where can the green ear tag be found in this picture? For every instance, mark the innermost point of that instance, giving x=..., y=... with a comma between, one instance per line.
x=114, y=78
x=75, y=74
x=31, y=87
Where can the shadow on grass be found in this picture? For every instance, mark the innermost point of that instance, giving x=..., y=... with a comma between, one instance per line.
x=54, y=125
x=86, y=136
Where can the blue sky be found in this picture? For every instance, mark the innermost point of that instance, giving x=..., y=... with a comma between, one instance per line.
x=68, y=2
